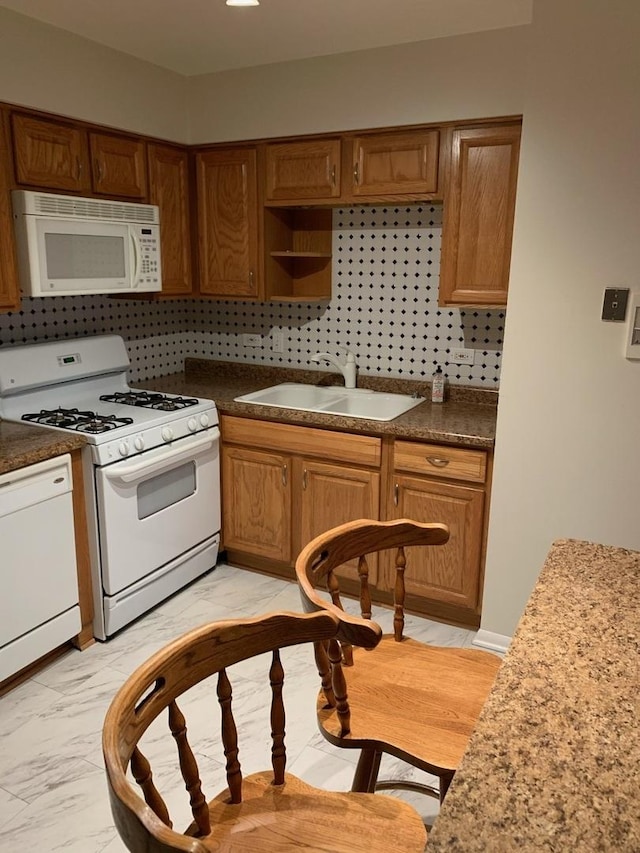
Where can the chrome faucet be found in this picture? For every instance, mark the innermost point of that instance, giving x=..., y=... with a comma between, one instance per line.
x=348, y=369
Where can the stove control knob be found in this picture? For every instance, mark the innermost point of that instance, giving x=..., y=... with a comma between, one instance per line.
x=167, y=433
x=138, y=442
x=192, y=424
x=204, y=420
x=123, y=449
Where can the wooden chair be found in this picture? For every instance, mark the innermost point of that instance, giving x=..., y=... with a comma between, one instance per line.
x=268, y=811
x=417, y=702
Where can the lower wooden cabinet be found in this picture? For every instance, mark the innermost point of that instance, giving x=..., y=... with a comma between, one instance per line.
x=282, y=485
x=334, y=494
x=431, y=482
x=257, y=503
x=448, y=573
x=278, y=494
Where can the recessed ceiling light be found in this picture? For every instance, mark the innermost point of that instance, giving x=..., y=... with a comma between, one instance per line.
x=243, y=2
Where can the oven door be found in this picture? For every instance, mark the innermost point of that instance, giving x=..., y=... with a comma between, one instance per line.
x=157, y=506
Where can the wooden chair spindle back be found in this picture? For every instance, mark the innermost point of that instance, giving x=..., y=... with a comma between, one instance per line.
x=155, y=686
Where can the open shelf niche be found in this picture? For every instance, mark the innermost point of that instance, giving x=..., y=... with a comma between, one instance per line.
x=297, y=253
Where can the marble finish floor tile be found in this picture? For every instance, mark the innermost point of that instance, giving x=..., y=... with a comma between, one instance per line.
x=53, y=793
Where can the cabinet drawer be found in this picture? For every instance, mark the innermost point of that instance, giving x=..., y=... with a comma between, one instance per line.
x=306, y=441
x=452, y=463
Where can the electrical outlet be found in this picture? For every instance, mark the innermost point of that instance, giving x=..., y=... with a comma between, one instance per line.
x=462, y=356
x=277, y=340
x=252, y=341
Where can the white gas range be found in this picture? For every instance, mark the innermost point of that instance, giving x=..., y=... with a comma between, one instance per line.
x=151, y=468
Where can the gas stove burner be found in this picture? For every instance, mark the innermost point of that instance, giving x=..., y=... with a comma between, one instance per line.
x=76, y=420
x=65, y=418
x=148, y=400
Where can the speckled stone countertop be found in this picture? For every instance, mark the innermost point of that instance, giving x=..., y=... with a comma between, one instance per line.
x=467, y=418
x=554, y=763
x=21, y=444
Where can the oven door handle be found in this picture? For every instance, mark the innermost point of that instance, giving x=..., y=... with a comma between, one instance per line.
x=141, y=470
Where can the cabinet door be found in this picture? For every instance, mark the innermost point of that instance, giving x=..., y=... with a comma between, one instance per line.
x=396, y=164
x=334, y=494
x=119, y=165
x=303, y=170
x=256, y=501
x=50, y=154
x=228, y=223
x=478, y=216
x=448, y=573
x=169, y=189
x=9, y=290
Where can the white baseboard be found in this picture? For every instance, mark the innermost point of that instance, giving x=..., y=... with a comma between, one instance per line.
x=494, y=642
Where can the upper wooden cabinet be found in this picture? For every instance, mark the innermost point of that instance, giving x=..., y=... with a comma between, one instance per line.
x=9, y=289
x=119, y=165
x=480, y=199
x=50, y=154
x=396, y=164
x=228, y=222
x=169, y=189
x=303, y=171
x=62, y=156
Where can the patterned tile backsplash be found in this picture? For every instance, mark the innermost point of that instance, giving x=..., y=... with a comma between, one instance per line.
x=384, y=307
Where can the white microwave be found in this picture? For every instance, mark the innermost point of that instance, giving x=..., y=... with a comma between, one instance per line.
x=71, y=246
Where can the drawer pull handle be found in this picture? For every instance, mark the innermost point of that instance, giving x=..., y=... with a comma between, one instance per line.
x=284, y=475
x=396, y=494
x=304, y=479
x=356, y=173
x=437, y=461
x=333, y=175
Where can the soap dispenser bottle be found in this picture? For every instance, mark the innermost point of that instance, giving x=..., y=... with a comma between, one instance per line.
x=437, y=386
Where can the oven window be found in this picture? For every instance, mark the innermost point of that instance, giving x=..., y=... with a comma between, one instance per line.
x=166, y=489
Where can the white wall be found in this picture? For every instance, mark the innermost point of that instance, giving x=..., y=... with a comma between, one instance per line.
x=567, y=462
x=46, y=68
x=453, y=78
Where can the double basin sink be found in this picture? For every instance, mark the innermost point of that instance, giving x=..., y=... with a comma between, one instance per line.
x=347, y=402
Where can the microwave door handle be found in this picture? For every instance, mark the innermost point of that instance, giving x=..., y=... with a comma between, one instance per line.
x=140, y=470
x=137, y=255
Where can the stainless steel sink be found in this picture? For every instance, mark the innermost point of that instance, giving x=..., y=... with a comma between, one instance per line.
x=348, y=402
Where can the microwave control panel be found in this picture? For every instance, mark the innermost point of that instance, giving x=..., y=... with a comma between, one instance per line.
x=149, y=241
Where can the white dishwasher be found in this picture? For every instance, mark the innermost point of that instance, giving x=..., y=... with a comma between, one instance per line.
x=39, y=607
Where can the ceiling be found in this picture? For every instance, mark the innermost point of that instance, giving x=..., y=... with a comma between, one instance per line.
x=203, y=36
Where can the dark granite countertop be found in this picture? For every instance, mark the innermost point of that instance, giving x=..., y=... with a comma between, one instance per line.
x=21, y=445
x=468, y=417
x=554, y=762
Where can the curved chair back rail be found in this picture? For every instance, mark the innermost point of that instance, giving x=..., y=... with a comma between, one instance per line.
x=415, y=701
x=267, y=811
x=355, y=540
